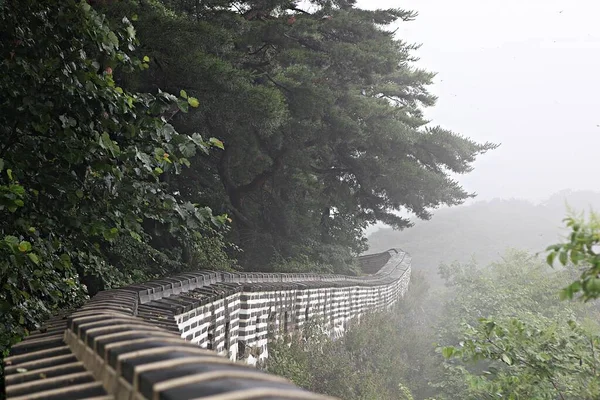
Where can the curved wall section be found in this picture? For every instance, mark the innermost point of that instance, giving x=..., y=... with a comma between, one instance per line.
x=127, y=343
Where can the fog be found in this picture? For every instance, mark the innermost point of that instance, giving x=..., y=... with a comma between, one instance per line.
x=523, y=74
x=485, y=230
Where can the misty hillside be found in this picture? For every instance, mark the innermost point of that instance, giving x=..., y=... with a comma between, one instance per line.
x=484, y=230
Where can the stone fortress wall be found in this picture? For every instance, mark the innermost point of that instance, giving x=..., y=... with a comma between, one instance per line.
x=127, y=343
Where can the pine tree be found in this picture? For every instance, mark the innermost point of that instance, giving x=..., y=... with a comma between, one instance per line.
x=320, y=113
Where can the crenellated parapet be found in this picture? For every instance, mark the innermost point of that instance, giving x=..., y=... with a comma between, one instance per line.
x=189, y=336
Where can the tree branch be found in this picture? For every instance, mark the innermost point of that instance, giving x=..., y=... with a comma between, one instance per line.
x=299, y=10
x=277, y=84
x=329, y=170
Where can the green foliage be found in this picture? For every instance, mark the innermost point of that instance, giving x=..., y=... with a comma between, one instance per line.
x=383, y=357
x=333, y=367
x=531, y=357
x=513, y=337
x=580, y=251
x=320, y=113
x=84, y=164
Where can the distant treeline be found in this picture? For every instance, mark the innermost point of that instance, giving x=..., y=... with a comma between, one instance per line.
x=484, y=230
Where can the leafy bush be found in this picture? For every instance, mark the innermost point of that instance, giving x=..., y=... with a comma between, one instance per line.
x=83, y=163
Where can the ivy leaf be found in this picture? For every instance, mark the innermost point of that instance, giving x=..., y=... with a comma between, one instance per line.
x=183, y=94
x=146, y=59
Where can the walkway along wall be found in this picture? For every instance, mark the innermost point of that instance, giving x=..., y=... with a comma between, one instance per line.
x=127, y=343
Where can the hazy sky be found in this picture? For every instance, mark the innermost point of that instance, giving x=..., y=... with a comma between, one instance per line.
x=523, y=73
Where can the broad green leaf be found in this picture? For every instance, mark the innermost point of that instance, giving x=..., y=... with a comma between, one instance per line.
x=575, y=287
x=24, y=246
x=187, y=149
x=34, y=258
x=131, y=31
x=111, y=233
x=113, y=39
x=159, y=153
x=447, y=352
x=105, y=140
x=107, y=143
x=183, y=106
x=217, y=143
x=192, y=101
x=135, y=235
x=593, y=286
x=183, y=94
x=12, y=240
x=17, y=189
x=197, y=139
x=65, y=259
x=563, y=257
x=146, y=59
x=9, y=173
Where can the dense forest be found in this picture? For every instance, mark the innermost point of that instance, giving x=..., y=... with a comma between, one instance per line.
x=142, y=138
